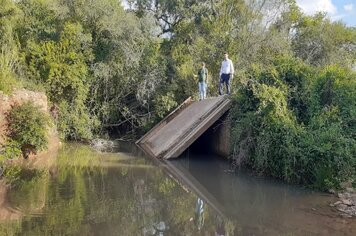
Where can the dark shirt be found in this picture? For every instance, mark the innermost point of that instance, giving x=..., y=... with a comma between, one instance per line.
x=202, y=74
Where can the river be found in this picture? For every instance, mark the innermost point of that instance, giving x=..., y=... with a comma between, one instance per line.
x=79, y=191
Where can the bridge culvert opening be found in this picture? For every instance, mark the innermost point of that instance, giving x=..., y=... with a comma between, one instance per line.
x=214, y=141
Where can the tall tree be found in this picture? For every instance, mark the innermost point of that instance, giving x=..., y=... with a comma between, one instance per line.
x=320, y=42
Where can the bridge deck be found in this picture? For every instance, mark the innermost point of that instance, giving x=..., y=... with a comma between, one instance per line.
x=175, y=133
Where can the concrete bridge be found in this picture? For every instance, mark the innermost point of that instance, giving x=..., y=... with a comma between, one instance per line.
x=188, y=123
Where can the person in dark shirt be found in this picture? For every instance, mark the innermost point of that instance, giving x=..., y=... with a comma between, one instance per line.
x=203, y=81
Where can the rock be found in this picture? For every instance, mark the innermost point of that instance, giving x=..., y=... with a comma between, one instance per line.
x=344, y=195
x=347, y=202
x=353, y=210
x=350, y=190
x=332, y=191
x=342, y=208
x=345, y=215
x=345, y=209
x=353, y=198
x=337, y=203
x=346, y=185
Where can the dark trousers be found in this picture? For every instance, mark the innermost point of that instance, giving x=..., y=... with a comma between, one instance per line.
x=225, y=79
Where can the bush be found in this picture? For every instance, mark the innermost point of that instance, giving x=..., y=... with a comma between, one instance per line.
x=74, y=122
x=11, y=150
x=291, y=124
x=335, y=87
x=164, y=104
x=28, y=126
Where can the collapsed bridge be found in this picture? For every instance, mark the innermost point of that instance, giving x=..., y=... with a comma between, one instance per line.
x=182, y=127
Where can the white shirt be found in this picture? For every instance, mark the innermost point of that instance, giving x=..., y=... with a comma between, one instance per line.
x=227, y=67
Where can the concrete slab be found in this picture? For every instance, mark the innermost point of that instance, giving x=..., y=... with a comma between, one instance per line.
x=173, y=135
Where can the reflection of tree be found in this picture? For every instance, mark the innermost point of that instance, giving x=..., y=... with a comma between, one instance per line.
x=33, y=188
x=88, y=193
x=7, y=214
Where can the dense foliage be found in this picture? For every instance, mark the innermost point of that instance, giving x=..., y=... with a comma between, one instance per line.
x=297, y=123
x=106, y=68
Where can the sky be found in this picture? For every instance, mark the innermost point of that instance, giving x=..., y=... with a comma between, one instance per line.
x=344, y=10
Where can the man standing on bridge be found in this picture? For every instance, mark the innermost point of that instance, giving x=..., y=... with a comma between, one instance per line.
x=226, y=74
x=203, y=81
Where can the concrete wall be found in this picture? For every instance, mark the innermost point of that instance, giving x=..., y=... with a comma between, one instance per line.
x=220, y=139
x=216, y=140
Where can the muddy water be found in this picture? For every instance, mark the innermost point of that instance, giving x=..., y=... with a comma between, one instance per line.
x=122, y=192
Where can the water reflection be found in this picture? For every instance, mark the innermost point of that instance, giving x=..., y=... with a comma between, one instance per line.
x=83, y=192
x=260, y=206
x=199, y=213
x=90, y=193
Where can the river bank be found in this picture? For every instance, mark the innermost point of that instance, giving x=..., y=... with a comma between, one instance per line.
x=347, y=203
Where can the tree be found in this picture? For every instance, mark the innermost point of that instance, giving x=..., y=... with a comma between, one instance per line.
x=10, y=70
x=321, y=42
x=62, y=67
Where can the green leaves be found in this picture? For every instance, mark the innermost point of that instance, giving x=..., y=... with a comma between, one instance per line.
x=28, y=127
x=296, y=123
x=335, y=89
x=62, y=67
x=165, y=104
x=8, y=65
x=320, y=42
x=101, y=64
x=10, y=150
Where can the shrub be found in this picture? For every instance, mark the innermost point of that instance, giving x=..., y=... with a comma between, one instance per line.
x=8, y=64
x=28, y=127
x=74, y=122
x=335, y=87
x=10, y=150
x=164, y=104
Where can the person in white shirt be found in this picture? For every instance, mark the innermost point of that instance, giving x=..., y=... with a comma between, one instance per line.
x=226, y=74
